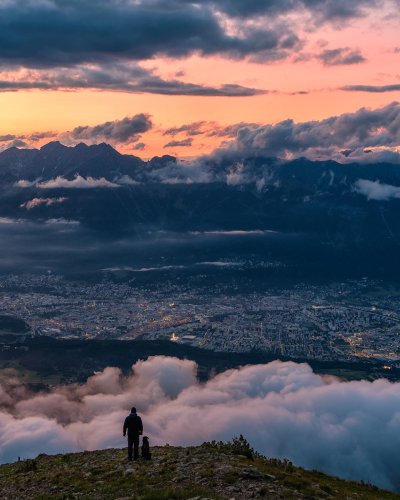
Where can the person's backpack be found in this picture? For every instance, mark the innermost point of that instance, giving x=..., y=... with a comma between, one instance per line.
x=146, y=448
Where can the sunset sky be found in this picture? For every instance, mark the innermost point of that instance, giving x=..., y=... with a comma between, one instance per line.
x=197, y=71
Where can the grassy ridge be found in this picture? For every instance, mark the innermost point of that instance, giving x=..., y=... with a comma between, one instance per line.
x=214, y=471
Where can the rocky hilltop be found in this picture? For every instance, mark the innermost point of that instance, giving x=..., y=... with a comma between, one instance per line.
x=211, y=471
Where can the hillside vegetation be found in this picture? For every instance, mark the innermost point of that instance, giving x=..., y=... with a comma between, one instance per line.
x=211, y=471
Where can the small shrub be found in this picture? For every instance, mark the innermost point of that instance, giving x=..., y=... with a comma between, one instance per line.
x=263, y=491
x=284, y=464
x=296, y=482
x=66, y=458
x=237, y=446
x=230, y=477
x=177, y=494
x=326, y=488
x=28, y=466
x=240, y=446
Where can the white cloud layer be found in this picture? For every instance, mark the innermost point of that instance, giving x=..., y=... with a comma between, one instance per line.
x=375, y=190
x=79, y=182
x=350, y=429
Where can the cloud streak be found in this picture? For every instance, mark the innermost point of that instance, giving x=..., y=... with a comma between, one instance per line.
x=375, y=89
x=78, y=182
x=348, y=429
x=209, y=129
x=118, y=77
x=341, y=57
x=184, y=143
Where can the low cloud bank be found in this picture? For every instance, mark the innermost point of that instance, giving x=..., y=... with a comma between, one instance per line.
x=79, y=182
x=350, y=429
x=375, y=190
x=366, y=135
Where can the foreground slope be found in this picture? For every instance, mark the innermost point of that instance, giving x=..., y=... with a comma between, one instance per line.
x=213, y=471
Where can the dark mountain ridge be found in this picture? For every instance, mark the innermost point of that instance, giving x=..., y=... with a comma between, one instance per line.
x=55, y=159
x=102, y=160
x=303, y=211
x=256, y=193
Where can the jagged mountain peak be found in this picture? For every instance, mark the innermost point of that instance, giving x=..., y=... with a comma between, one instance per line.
x=81, y=146
x=58, y=160
x=57, y=146
x=53, y=146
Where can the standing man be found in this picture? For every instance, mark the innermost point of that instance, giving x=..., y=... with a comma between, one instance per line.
x=133, y=424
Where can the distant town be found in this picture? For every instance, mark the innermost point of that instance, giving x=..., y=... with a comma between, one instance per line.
x=339, y=321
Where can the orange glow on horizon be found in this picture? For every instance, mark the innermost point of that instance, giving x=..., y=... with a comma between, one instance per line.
x=24, y=112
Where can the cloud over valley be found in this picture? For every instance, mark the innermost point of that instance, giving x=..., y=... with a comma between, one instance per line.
x=345, y=428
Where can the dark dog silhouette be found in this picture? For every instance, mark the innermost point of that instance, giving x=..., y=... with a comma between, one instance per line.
x=146, y=448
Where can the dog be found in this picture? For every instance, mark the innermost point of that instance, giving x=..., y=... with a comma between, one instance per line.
x=146, y=455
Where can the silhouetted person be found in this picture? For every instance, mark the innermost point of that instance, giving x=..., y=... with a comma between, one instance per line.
x=133, y=424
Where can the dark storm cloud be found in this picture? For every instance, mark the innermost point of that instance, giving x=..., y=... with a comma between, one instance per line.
x=372, y=88
x=340, y=57
x=56, y=33
x=62, y=33
x=71, y=44
x=119, y=77
x=322, y=11
x=118, y=131
x=327, y=10
x=184, y=143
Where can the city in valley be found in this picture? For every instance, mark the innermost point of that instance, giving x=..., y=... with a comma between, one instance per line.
x=340, y=321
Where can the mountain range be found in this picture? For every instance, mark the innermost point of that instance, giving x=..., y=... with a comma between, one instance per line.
x=300, y=209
